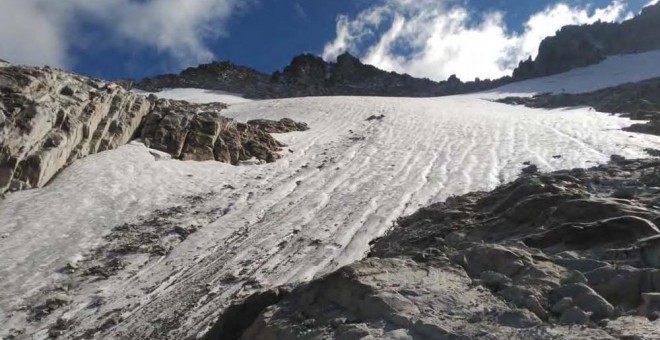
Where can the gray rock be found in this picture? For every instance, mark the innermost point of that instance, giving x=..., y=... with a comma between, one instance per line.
x=494, y=280
x=650, y=306
x=585, y=298
x=520, y=318
x=50, y=118
x=562, y=305
x=574, y=316
x=50, y=126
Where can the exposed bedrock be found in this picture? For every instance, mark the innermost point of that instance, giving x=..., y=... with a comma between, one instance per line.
x=551, y=255
x=50, y=118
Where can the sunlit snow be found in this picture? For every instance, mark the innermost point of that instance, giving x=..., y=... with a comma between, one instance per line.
x=337, y=186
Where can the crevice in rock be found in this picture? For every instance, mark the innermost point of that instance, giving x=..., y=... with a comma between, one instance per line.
x=239, y=316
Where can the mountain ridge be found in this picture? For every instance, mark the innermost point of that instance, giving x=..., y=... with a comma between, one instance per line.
x=309, y=75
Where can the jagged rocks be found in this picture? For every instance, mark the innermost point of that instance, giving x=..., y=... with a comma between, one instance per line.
x=309, y=75
x=281, y=126
x=577, y=46
x=50, y=118
x=483, y=265
x=223, y=76
x=193, y=132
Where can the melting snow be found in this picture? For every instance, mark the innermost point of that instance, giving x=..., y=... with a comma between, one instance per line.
x=338, y=186
x=199, y=96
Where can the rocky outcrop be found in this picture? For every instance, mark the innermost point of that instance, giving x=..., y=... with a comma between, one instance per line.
x=199, y=133
x=309, y=75
x=281, y=126
x=50, y=118
x=578, y=46
x=529, y=260
x=638, y=101
x=222, y=76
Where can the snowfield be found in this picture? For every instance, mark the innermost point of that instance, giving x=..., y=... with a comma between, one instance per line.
x=337, y=187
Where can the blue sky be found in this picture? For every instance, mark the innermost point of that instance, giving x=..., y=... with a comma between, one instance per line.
x=148, y=37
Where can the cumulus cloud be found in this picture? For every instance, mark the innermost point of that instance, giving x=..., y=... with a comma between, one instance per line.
x=43, y=31
x=436, y=38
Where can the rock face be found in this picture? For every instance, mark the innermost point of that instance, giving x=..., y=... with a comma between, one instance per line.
x=528, y=260
x=222, y=76
x=50, y=118
x=578, y=46
x=198, y=132
x=309, y=75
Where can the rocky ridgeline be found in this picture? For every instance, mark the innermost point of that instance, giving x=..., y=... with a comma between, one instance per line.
x=50, y=118
x=638, y=101
x=579, y=46
x=309, y=75
x=221, y=76
x=569, y=254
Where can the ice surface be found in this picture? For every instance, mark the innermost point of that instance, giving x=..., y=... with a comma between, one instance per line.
x=338, y=186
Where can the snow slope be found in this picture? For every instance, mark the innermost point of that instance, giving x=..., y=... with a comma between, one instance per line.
x=338, y=186
x=613, y=71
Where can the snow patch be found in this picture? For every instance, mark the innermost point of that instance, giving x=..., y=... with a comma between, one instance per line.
x=613, y=71
x=198, y=96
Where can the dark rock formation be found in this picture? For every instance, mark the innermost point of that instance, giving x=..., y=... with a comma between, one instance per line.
x=238, y=317
x=309, y=75
x=50, y=118
x=281, y=126
x=198, y=132
x=550, y=249
x=221, y=76
x=639, y=101
x=578, y=46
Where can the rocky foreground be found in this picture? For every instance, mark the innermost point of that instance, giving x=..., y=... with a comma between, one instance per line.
x=50, y=118
x=569, y=254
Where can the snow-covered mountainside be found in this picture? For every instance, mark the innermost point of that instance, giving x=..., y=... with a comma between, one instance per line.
x=235, y=230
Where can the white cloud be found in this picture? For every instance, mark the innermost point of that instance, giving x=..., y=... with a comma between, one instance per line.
x=651, y=3
x=30, y=36
x=300, y=10
x=42, y=31
x=432, y=38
